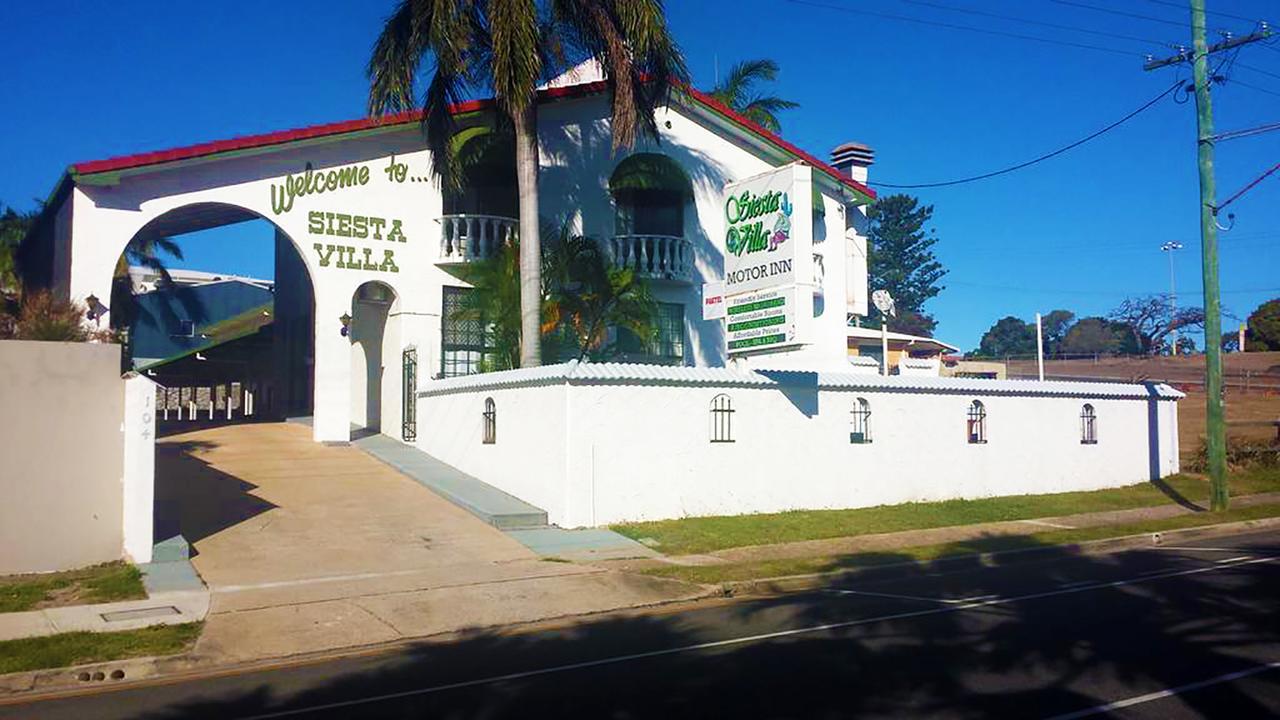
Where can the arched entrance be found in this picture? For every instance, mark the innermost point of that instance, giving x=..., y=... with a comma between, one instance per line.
x=227, y=343
x=374, y=330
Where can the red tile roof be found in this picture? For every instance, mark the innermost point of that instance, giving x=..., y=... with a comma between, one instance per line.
x=280, y=137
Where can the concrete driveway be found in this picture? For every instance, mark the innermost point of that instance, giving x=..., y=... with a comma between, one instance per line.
x=308, y=547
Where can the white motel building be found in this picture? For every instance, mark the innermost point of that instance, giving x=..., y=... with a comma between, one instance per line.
x=749, y=399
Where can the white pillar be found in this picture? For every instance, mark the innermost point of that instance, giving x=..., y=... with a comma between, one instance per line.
x=332, y=419
x=138, y=476
x=1040, y=347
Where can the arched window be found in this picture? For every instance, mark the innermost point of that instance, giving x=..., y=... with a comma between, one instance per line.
x=860, y=426
x=650, y=190
x=490, y=422
x=721, y=419
x=1088, y=425
x=977, y=424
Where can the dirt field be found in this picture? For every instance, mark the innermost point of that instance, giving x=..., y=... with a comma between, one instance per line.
x=1252, y=380
x=1241, y=407
x=1251, y=371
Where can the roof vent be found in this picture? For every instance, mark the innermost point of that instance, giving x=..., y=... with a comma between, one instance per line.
x=852, y=154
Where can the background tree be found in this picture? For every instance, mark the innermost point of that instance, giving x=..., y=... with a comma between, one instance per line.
x=1264, y=327
x=1151, y=318
x=901, y=255
x=737, y=91
x=1054, y=327
x=913, y=323
x=13, y=227
x=1097, y=336
x=1010, y=336
x=505, y=48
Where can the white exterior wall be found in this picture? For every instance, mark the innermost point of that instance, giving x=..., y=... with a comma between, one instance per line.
x=642, y=451
x=529, y=459
x=577, y=162
x=105, y=218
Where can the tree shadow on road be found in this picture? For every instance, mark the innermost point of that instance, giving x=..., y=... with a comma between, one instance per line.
x=1020, y=635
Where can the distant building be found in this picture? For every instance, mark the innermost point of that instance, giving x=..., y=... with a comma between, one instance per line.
x=908, y=354
x=145, y=280
x=174, y=322
x=957, y=366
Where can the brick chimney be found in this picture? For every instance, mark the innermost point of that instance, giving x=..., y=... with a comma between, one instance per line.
x=853, y=159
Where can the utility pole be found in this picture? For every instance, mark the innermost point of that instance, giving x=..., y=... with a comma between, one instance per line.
x=1170, y=247
x=1215, y=427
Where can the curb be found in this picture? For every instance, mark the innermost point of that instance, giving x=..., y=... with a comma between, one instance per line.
x=813, y=581
x=34, y=685
x=55, y=683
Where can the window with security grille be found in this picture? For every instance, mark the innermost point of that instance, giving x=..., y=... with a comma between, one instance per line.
x=1088, y=425
x=860, y=426
x=490, y=422
x=721, y=419
x=465, y=345
x=976, y=426
x=667, y=346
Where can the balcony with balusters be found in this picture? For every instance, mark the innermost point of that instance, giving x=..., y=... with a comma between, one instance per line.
x=468, y=237
x=664, y=258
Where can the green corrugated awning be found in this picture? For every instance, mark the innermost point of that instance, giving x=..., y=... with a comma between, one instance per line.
x=650, y=171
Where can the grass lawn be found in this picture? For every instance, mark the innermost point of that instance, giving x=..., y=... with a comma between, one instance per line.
x=98, y=584
x=78, y=648
x=711, y=574
x=708, y=534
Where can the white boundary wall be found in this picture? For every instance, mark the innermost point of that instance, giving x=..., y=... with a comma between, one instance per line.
x=596, y=444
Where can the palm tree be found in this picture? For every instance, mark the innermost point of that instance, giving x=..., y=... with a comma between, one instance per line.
x=506, y=47
x=587, y=295
x=737, y=92
x=582, y=296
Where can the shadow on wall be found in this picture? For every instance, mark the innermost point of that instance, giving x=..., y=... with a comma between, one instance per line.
x=880, y=656
x=195, y=499
x=581, y=149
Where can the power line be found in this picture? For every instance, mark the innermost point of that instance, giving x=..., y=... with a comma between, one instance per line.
x=1247, y=188
x=1119, y=12
x=1258, y=70
x=968, y=28
x=1234, y=134
x=1042, y=158
x=1183, y=6
x=1234, y=81
x=1011, y=18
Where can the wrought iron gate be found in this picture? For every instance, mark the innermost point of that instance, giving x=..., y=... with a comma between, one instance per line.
x=409, y=391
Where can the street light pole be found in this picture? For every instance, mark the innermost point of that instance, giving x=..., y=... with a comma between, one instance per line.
x=1169, y=248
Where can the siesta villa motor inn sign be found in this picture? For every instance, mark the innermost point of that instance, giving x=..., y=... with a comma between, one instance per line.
x=768, y=247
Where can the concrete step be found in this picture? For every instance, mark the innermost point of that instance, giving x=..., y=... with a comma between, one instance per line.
x=499, y=509
x=171, y=550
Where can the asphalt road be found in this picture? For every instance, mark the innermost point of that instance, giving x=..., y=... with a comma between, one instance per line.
x=1191, y=630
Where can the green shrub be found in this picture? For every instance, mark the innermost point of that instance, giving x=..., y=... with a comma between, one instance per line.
x=1241, y=454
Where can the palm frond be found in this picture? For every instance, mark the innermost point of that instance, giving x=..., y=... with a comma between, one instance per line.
x=741, y=78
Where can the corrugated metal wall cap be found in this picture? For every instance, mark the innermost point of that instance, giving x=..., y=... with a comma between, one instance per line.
x=978, y=386
x=666, y=374
x=638, y=373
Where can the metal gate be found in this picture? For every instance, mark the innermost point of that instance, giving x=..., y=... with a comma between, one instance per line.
x=409, y=391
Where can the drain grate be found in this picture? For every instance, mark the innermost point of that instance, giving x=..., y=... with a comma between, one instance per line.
x=141, y=613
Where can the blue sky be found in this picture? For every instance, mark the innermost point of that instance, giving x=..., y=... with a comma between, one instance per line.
x=87, y=80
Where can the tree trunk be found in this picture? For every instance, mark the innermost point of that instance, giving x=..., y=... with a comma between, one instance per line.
x=526, y=127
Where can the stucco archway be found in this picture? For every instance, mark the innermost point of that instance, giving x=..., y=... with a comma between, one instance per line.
x=374, y=332
x=272, y=329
